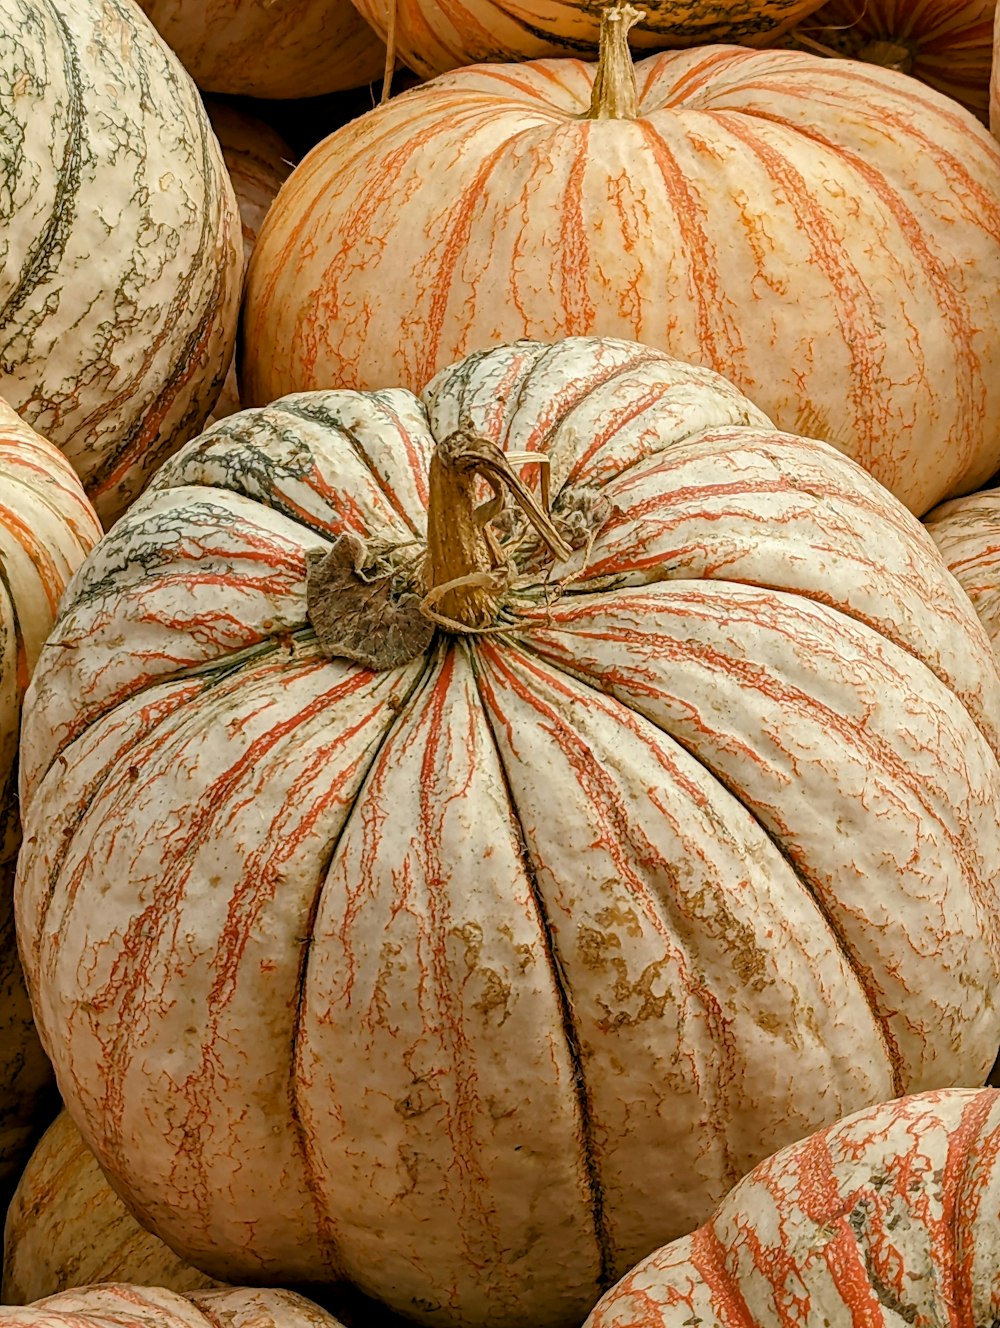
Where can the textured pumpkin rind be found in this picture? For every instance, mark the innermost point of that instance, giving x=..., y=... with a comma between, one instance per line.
x=967, y=531
x=67, y=1228
x=254, y=48
x=629, y=885
x=826, y=234
x=994, y=116
x=888, y=1217
x=120, y=242
x=46, y=527
x=947, y=44
x=118, y=1305
x=432, y=38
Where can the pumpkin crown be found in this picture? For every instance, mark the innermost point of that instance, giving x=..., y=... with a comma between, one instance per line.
x=614, y=96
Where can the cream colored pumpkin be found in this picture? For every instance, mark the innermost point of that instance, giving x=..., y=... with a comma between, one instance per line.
x=891, y=1217
x=46, y=527
x=824, y=233
x=470, y=966
x=256, y=48
x=967, y=531
x=120, y=253
x=119, y=1305
x=67, y=1228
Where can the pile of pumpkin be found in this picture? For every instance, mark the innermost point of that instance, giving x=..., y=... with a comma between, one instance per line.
x=499, y=702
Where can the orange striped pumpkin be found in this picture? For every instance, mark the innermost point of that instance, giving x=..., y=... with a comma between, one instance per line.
x=256, y=48
x=824, y=233
x=945, y=43
x=120, y=241
x=46, y=527
x=432, y=37
x=967, y=531
x=118, y=1305
x=886, y=1218
x=258, y=160
x=66, y=1228
x=470, y=966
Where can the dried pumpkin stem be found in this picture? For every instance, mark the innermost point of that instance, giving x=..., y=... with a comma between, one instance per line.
x=614, y=96
x=460, y=572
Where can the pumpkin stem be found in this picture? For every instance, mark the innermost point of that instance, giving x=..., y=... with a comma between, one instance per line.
x=888, y=54
x=463, y=574
x=614, y=96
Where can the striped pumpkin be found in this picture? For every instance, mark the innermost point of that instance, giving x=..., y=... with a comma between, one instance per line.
x=945, y=43
x=432, y=37
x=118, y=1305
x=258, y=160
x=256, y=48
x=46, y=527
x=967, y=531
x=67, y=1228
x=466, y=966
x=825, y=234
x=887, y=1218
x=120, y=242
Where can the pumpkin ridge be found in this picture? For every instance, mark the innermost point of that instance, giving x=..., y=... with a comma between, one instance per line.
x=325, y=1223
x=609, y=1272
x=44, y=253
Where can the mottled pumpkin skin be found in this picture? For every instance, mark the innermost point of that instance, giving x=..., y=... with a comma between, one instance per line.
x=256, y=48
x=120, y=1305
x=825, y=234
x=475, y=979
x=889, y=1217
x=994, y=116
x=967, y=531
x=432, y=37
x=119, y=242
x=65, y=1228
x=46, y=527
x=945, y=43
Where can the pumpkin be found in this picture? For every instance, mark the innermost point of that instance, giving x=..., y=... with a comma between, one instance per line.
x=885, y=1218
x=257, y=48
x=258, y=160
x=118, y=1305
x=67, y=1228
x=825, y=234
x=46, y=527
x=946, y=43
x=461, y=914
x=967, y=531
x=431, y=37
x=119, y=239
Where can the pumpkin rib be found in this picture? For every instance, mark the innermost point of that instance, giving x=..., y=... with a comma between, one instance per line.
x=602, y=1234
x=45, y=252
x=313, y=1179
x=862, y=975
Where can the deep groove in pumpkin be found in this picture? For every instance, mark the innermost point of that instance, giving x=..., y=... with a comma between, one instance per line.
x=891, y=1051
x=609, y=1273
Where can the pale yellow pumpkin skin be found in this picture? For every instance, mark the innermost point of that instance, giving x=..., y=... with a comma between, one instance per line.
x=432, y=37
x=47, y=525
x=462, y=979
x=66, y=1228
x=256, y=48
x=826, y=234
